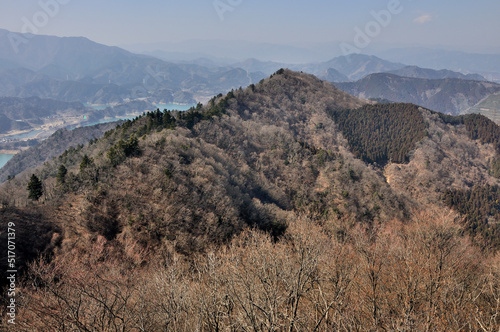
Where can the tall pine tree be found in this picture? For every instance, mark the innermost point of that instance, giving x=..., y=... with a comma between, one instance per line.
x=61, y=174
x=35, y=188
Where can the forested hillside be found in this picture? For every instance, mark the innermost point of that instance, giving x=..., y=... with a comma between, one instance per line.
x=481, y=207
x=288, y=205
x=382, y=133
x=57, y=143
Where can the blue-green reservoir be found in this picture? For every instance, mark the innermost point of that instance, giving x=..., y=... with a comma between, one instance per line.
x=4, y=158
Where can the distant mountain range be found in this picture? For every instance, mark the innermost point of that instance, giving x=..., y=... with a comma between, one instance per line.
x=355, y=67
x=451, y=95
x=343, y=68
x=431, y=74
x=77, y=69
x=226, y=52
x=486, y=64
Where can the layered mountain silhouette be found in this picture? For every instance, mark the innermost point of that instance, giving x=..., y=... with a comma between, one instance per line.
x=417, y=72
x=449, y=96
x=77, y=69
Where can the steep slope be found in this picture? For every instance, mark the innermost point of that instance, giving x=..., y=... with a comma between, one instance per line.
x=450, y=96
x=459, y=156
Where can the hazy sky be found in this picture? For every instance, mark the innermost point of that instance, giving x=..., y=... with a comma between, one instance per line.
x=471, y=26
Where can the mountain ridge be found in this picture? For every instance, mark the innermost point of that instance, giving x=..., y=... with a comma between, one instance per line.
x=262, y=189
x=449, y=96
x=425, y=73
x=69, y=61
x=295, y=106
x=101, y=75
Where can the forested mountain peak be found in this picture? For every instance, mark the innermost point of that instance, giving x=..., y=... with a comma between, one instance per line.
x=289, y=179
